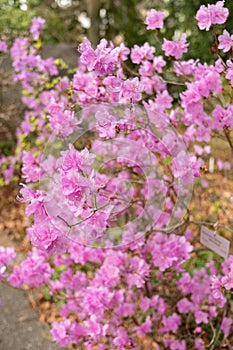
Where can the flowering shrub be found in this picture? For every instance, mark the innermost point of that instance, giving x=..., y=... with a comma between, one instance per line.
x=110, y=192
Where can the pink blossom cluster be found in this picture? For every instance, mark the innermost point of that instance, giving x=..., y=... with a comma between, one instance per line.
x=3, y=46
x=61, y=120
x=118, y=173
x=154, y=19
x=33, y=271
x=8, y=165
x=175, y=48
x=225, y=41
x=103, y=59
x=36, y=27
x=212, y=14
x=221, y=284
x=7, y=255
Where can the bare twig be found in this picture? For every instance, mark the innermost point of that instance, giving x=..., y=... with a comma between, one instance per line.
x=210, y=224
x=227, y=135
x=216, y=335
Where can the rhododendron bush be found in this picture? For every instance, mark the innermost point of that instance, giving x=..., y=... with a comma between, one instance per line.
x=109, y=155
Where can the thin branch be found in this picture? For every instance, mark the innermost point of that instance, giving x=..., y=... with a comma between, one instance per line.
x=86, y=218
x=227, y=135
x=129, y=70
x=67, y=224
x=210, y=224
x=216, y=41
x=198, y=250
x=171, y=82
x=217, y=334
x=147, y=290
x=212, y=342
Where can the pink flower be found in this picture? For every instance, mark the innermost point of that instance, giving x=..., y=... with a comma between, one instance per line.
x=144, y=328
x=199, y=344
x=198, y=330
x=31, y=167
x=44, y=235
x=61, y=332
x=36, y=27
x=108, y=275
x=175, y=344
x=145, y=304
x=203, y=18
x=212, y=312
x=106, y=124
x=88, y=56
x=3, y=46
x=185, y=167
x=146, y=69
x=6, y=256
x=169, y=251
x=139, y=54
x=184, y=306
x=73, y=159
x=122, y=52
x=204, y=183
x=131, y=90
x=121, y=338
x=171, y=323
x=213, y=14
x=126, y=309
x=218, y=298
x=223, y=165
x=227, y=281
x=140, y=272
x=185, y=67
x=103, y=60
x=218, y=13
x=75, y=188
x=200, y=151
x=222, y=117
x=225, y=41
x=164, y=100
x=201, y=317
x=226, y=326
x=229, y=73
x=184, y=284
x=154, y=19
x=216, y=291
x=34, y=271
x=36, y=199
x=93, y=327
x=62, y=122
x=175, y=48
x=159, y=63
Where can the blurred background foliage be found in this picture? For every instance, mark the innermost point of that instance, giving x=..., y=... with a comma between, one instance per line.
x=117, y=20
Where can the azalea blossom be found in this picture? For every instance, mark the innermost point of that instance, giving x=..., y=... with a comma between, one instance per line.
x=211, y=14
x=154, y=19
x=225, y=41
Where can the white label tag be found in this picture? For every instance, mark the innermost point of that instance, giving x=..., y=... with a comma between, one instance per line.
x=215, y=242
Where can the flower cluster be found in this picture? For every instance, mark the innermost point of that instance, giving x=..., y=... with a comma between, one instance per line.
x=7, y=255
x=154, y=19
x=211, y=14
x=109, y=193
x=34, y=271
